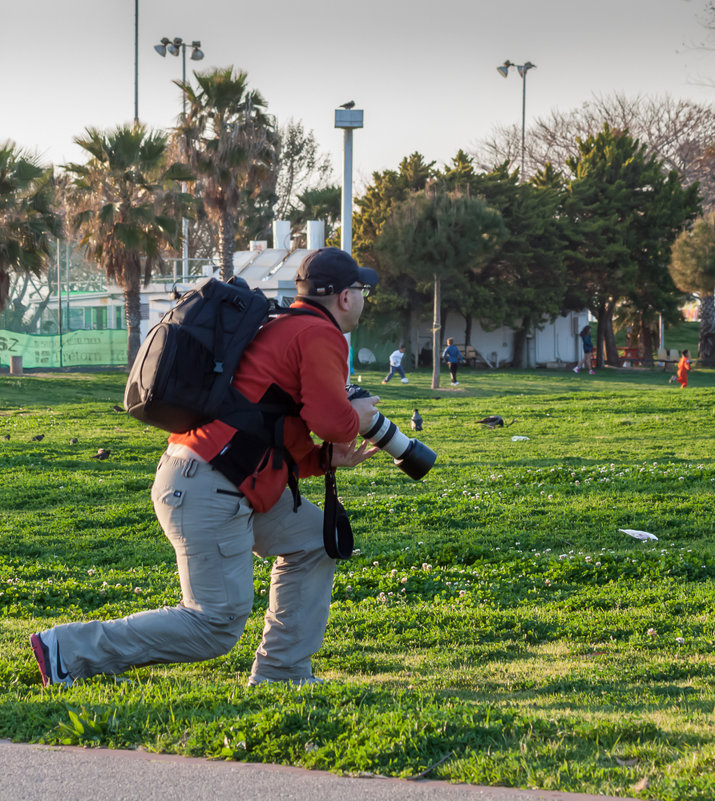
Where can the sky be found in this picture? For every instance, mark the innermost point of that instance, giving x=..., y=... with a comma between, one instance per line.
x=423, y=71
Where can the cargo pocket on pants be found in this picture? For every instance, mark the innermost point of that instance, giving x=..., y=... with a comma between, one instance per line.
x=237, y=576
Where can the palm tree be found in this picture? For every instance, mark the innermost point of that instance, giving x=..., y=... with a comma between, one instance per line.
x=231, y=145
x=125, y=210
x=27, y=217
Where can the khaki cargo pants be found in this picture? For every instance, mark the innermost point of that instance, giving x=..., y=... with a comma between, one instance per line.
x=215, y=532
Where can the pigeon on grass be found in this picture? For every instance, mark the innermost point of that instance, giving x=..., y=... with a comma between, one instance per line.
x=495, y=420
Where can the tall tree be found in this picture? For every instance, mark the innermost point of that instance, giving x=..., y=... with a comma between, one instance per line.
x=231, y=144
x=125, y=210
x=302, y=168
x=678, y=132
x=525, y=281
x=28, y=219
x=693, y=269
x=625, y=212
x=438, y=238
x=399, y=291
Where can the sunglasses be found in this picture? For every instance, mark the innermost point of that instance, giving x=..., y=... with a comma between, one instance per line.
x=363, y=288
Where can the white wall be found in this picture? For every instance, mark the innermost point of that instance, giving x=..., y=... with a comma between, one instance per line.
x=556, y=342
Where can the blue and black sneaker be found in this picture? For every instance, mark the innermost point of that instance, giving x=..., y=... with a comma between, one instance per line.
x=47, y=654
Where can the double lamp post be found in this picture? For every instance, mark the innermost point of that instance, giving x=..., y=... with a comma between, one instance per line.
x=522, y=69
x=174, y=47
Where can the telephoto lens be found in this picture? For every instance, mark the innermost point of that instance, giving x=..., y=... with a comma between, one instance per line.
x=410, y=455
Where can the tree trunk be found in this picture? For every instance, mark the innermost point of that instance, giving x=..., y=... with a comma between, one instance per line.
x=706, y=349
x=436, y=328
x=521, y=355
x=600, y=333
x=467, y=331
x=132, y=315
x=412, y=336
x=225, y=245
x=645, y=345
x=605, y=338
x=610, y=337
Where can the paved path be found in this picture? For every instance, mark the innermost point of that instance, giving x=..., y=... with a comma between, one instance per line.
x=51, y=773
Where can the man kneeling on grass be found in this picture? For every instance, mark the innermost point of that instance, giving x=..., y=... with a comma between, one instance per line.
x=215, y=514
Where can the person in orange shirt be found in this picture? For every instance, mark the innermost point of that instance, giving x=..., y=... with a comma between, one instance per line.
x=216, y=508
x=684, y=365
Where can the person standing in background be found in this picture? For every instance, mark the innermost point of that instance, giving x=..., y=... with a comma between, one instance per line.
x=396, y=365
x=453, y=356
x=587, y=359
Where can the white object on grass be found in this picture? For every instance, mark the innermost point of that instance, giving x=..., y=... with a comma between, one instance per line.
x=639, y=535
x=516, y=438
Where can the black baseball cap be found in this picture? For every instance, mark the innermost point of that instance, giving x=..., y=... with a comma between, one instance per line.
x=327, y=271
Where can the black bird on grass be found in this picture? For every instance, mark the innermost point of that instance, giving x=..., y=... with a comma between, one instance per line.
x=74, y=441
x=101, y=454
x=350, y=104
x=38, y=438
x=7, y=436
x=495, y=420
x=416, y=421
x=116, y=408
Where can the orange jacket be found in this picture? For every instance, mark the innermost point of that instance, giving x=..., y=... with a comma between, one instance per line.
x=683, y=366
x=307, y=357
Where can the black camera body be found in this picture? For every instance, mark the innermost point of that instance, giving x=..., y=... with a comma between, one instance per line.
x=410, y=455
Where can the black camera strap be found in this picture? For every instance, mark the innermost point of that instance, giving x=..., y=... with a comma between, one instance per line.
x=337, y=532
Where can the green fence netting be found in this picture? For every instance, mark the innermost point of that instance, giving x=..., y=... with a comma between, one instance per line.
x=85, y=348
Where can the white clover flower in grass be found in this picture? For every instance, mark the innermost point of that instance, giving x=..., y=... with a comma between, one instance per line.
x=652, y=632
x=680, y=640
x=137, y=590
x=90, y=572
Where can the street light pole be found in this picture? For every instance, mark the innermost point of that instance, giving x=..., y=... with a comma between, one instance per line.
x=136, y=62
x=347, y=118
x=174, y=46
x=522, y=69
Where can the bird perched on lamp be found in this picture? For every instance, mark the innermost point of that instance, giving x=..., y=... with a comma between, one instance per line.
x=350, y=104
x=495, y=420
x=416, y=421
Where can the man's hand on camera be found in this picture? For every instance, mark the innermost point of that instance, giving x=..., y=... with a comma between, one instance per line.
x=345, y=454
x=365, y=407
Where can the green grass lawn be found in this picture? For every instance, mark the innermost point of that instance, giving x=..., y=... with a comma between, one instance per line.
x=494, y=619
